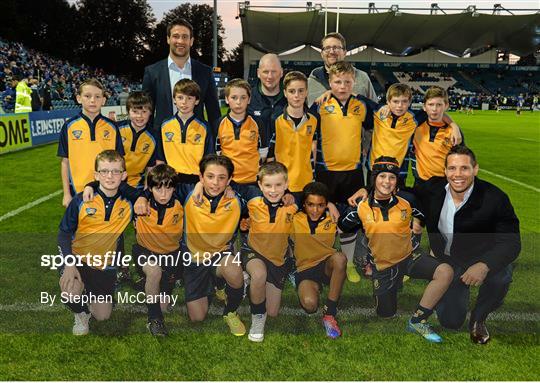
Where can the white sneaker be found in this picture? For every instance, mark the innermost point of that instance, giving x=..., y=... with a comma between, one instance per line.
x=81, y=326
x=256, y=332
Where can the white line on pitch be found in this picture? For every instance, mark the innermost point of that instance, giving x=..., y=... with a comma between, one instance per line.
x=511, y=180
x=528, y=139
x=29, y=205
x=244, y=310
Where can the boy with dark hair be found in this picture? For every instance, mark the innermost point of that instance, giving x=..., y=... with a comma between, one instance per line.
x=139, y=144
x=91, y=231
x=159, y=233
x=317, y=262
x=83, y=137
x=184, y=139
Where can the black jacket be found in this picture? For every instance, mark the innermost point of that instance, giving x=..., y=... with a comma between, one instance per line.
x=157, y=83
x=486, y=228
x=260, y=106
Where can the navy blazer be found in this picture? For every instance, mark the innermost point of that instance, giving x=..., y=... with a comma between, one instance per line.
x=486, y=228
x=157, y=83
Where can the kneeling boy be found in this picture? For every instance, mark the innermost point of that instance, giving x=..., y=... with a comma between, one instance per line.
x=317, y=262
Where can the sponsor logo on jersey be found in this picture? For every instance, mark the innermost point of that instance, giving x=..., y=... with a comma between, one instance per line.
x=175, y=219
x=227, y=206
x=106, y=134
x=197, y=138
x=121, y=212
x=327, y=225
x=252, y=135
x=289, y=218
x=256, y=112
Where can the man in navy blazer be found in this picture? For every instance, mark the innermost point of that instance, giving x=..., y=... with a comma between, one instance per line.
x=472, y=226
x=160, y=77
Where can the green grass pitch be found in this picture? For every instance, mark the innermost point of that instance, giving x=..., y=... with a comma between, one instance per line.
x=37, y=343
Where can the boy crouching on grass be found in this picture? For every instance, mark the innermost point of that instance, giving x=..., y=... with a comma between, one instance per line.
x=317, y=262
x=92, y=230
x=159, y=234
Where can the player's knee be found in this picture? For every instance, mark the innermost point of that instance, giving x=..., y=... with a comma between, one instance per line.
x=309, y=304
x=272, y=311
x=101, y=315
x=339, y=262
x=153, y=274
x=258, y=278
x=444, y=272
x=233, y=276
x=197, y=317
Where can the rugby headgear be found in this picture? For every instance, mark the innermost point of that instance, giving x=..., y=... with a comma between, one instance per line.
x=385, y=164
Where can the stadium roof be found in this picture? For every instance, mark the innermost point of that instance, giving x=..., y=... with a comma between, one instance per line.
x=394, y=32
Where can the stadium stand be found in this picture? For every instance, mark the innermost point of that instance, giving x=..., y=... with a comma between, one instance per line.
x=16, y=59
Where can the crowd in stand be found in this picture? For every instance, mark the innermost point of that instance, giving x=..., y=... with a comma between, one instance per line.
x=50, y=80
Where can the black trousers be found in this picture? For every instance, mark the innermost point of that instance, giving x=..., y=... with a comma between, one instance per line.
x=453, y=306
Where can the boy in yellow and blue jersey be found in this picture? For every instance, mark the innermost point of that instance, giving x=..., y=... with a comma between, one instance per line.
x=184, y=139
x=83, y=137
x=293, y=139
x=389, y=217
x=240, y=136
x=265, y=248
x=91, y=231
x=139, y=143
x=317, y=262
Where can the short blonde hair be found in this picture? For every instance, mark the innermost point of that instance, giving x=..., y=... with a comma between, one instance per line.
x=271, y=168
x=109, y=156
x=341, y=67
x=398, y=89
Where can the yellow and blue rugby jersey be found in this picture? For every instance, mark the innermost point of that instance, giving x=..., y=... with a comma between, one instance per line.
x=211, y=226
x=81, y=140
x=94, y=227
x=432, y=141
x=339, y=138
x=387, y=227
x=392, y=135
x=161, y=231
x=240, y=141
x=270, y=227
x=182, y=146
x=292, y=146
x=140, y=152
x=313, y=240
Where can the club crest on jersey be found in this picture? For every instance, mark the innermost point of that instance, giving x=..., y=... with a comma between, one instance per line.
x=403, y=215
x=169, y=136
x=123, y=139
x=447, y=141
x=106, y=134
x=327, y=225
x=405, y=119
x=382, y=117
x=91, y=211
x=121, y=212
x=175, y=219
x=197, y=138
x=145, y=148
x=309, y=129
x=369, y=218
x=252, y=135
x=329, y=108
x=227, y=206
x=77, y=134
x=356, y=110
x=289, y=218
